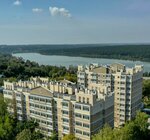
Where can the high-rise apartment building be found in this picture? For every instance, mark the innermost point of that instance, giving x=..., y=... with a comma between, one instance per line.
x=60, y=106
x=103, y=94
x=126, y=83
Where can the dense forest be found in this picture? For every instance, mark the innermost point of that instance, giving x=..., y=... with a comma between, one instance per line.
x=16, y=68
x=127, y=52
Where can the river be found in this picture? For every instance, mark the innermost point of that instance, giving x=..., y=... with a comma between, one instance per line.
x=57, y=60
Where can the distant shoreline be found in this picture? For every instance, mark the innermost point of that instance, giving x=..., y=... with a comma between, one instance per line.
x=82, y=56
x=63, y=60
x=121, y=52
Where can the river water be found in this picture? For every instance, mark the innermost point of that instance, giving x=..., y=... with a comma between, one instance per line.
x=57, y=60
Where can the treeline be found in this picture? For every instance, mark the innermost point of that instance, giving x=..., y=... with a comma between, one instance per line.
x=16, y=68
x=136, y=129
x=127, y=52
x=146, y=93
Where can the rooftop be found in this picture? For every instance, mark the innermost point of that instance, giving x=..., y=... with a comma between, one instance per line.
x=41, y=91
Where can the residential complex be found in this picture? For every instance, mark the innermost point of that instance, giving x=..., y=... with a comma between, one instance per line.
x=103, y=94
x=126, y=83
x=60, y=106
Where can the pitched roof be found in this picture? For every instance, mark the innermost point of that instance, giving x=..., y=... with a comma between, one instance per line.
x=41, y=91
x=66, y=82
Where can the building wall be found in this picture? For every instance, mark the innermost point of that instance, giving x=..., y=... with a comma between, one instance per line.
x=126, y=83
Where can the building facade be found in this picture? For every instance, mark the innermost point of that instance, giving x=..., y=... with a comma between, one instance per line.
x=104, y=94
x=60, y=106
x=126, y=83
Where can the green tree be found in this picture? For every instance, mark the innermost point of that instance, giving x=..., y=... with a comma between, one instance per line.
x=54, y=136
x=146, y=93
x=69, y=137
x=104, y=134
x=132, y=130
x=3, y=106
x=6, y=121
x=37, y=135
x=24, y=135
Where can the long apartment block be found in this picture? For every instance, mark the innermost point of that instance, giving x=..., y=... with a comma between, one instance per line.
x=126, y=83
x=60, y=106
x=103, y=94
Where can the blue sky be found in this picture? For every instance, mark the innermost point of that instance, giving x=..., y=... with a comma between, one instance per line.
x=74, y=21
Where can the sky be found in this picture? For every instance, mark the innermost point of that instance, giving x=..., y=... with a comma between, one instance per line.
x=74, y=21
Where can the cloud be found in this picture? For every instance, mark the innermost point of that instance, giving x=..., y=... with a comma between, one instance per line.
x=37, y=10
x=17, y=2
x=55, y=11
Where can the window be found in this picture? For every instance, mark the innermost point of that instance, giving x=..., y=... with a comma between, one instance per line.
x=42, y=114
x=78, y=107
x=79, y=99
x=38, y=113
x=49, y=116
x=78, y=131
x=78, y=115
x=122, y=93
x=37, y=106
x=78, y=123
x=30, y=97
x=86, y=125
x=65, y=120
x=48, y=108
x=49, y=123
x=86, y=134
x=42, y=100
x=65, y=104
x=18, y=95
x=65, y=128
x=83, y=100
x=44, y=122
x=42, y=107
x=122, y=105
x=128, y=100
x=88, y=100
x=36, y=98
x=48, y=100
x=86, y=117
x=37, y=120
x=121, y=99
x=122, y=88
x=49, y=130
x=65, y=112
x=31, y=104
x=123, y=77
x=31, y=111
x=86, y=108
x=19, y=102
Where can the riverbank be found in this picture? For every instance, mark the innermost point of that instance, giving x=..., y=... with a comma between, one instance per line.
x=60, y=60
x=132, y=52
